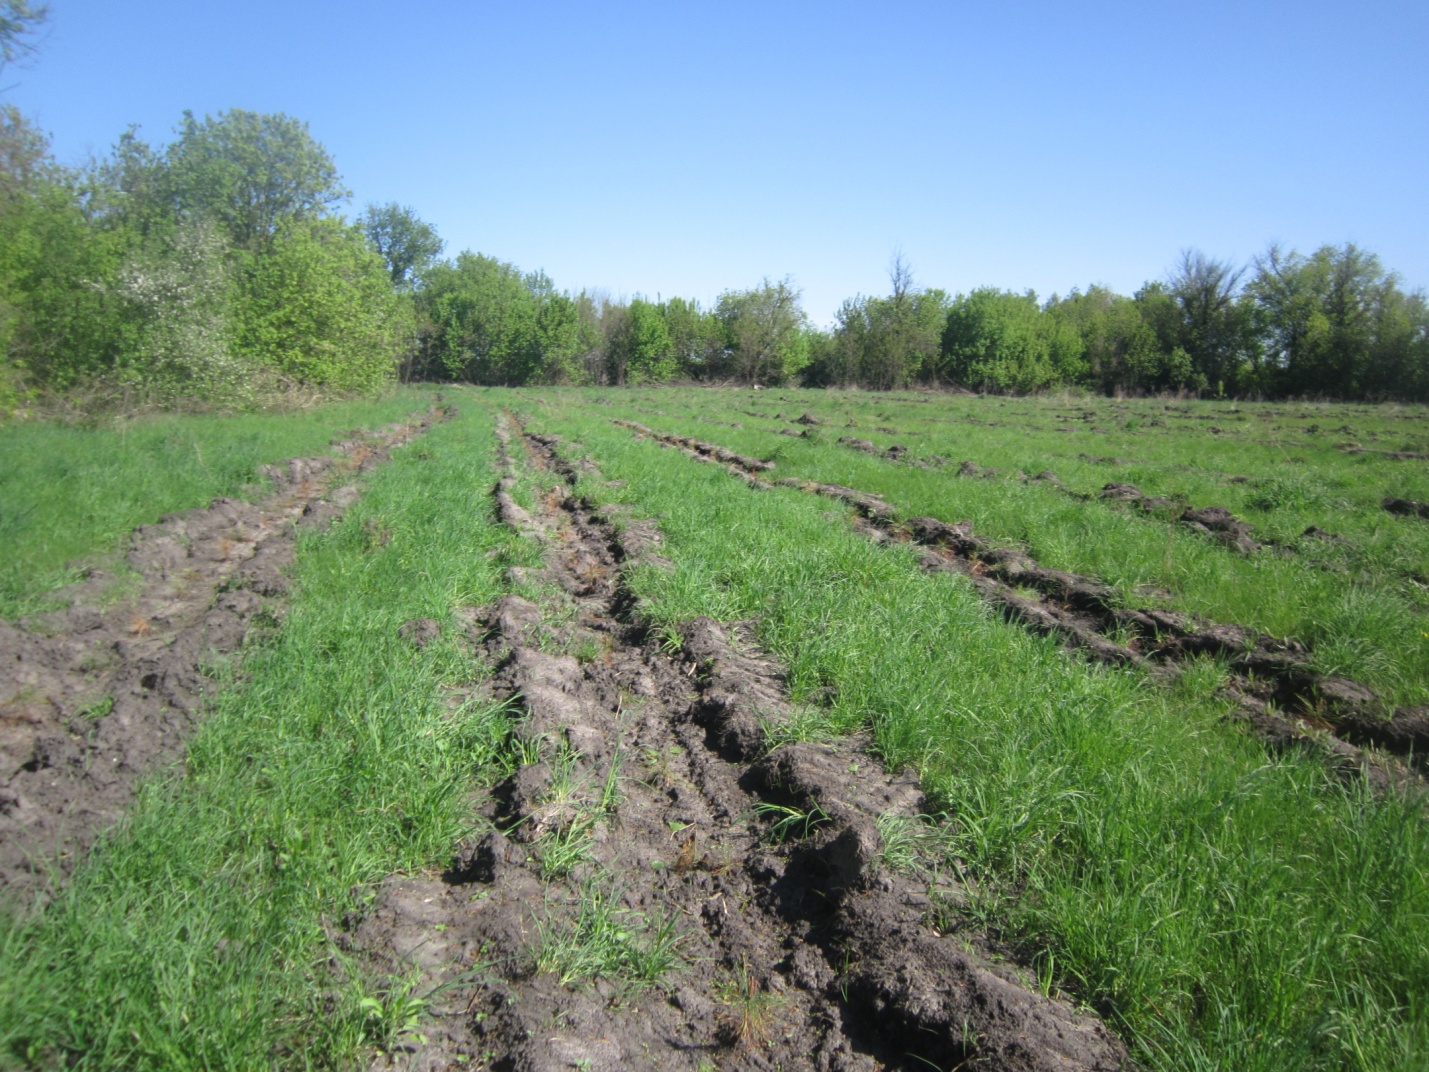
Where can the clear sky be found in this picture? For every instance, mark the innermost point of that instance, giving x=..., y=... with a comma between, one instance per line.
x=690, y=147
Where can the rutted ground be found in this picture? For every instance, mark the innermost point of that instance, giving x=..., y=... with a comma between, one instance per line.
x=1214, y=522
x=94, y=696
x=665, y=883
x=1278, y=692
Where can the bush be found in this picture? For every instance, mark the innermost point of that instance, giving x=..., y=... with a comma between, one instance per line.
x=319, y=308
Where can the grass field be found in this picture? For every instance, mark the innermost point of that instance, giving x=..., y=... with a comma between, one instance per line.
x=201, y=932
x=1361, y=600
x=1221, y=903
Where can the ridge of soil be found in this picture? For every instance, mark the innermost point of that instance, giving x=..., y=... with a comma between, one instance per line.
x=805, y=952
x=1392, y=455
x=1276, y=690
x=1214, y=522
x=94, y=696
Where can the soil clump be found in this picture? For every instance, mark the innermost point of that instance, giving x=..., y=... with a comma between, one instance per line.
x=895, y=453
x=96, y=695
x=1406, y=507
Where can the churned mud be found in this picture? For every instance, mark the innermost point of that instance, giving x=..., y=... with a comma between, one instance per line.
x=94, y=696
x=1276, y=689
x=670, y=878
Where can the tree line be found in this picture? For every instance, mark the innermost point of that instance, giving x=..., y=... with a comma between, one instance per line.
x=213, y=269
x=218, y=269
x=1332, y=324
x=1329, y=324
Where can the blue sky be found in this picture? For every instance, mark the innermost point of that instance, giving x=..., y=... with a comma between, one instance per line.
x=687, y=148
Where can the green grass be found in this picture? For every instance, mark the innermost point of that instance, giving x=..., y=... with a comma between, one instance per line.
x=1363, y=606
x=69, y=493
x=608, y=940
x=1225, y=908
x=201, y=935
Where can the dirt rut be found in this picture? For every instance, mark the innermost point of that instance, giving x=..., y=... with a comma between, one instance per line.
x=730, y=903
x=1214, y=522
x=94, y=696
x=1278, y=693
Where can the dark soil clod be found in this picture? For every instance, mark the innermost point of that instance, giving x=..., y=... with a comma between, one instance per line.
x=1406, y=507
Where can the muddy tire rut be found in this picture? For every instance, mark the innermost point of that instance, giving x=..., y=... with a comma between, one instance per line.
x=663, y=883
x=96, y=695
x=1276, y=691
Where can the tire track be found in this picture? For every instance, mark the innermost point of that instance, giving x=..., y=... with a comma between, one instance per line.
x=93, y=697
x=760, y=862
x=1276, y=690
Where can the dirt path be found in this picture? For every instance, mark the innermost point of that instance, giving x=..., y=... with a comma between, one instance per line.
x=1277, y=692
x=665, y=885
x=94, y=696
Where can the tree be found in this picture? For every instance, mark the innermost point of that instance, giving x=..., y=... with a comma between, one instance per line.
x=996, y=340
x=408, y=245
x=1335, y=323
x=319, y=309
x=1216, y=329
x=175, y=298
x=640, y=349
x=1120, y=345
x=696, y=336
x=487, y=322
x=250, y=173
x=59, y=323
x=19, y=21
x=764, y=332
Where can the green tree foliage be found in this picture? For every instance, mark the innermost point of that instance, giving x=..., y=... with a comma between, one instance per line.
x=406, y=243
x=1217, y=326
x=1336, y=323
x=210, y=270
x=640, y=349
x=885, y=342
x=173, y=301
x=999, y=341
x=488, y=322
x=319, y=308
x=20, y=20
x=249, y=172
x=1120, y=346
x=696, y=337
x=23, y=152
x=57, y=320
x=765, y=331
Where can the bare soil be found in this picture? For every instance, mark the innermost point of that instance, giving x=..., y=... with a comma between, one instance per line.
x=661, y=756
x=96, y=695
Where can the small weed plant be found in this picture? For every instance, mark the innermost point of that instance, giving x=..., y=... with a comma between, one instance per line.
x=608, y=940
